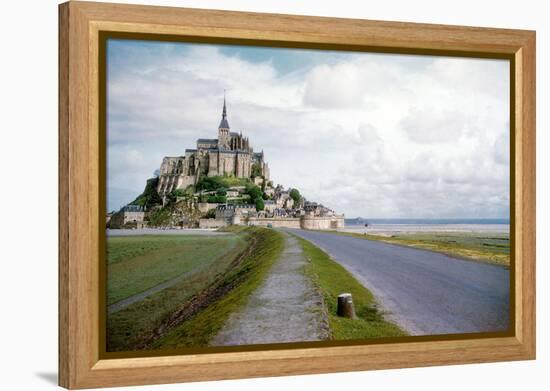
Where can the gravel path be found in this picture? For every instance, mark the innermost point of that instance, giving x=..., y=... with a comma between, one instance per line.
x=425, y=292
x=285, y=308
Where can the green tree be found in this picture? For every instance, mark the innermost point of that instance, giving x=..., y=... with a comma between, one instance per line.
x=216, y=182
x=217, y=199
x=295, y=195
x=149, y=197
x=177, y=193
x=174, y=194
x=253, y=191
x=210, y=214
x=190, y=191
x=209, y=183
x=259, y=204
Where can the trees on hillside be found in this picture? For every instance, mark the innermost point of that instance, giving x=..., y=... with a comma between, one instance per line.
x=259, y=204
x=296, y=196
x=149, y=197
x=256, y=195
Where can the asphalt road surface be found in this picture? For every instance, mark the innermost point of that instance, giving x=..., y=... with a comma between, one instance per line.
x=426, y=293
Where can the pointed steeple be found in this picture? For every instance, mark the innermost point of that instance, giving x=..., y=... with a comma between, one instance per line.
x=223, y=123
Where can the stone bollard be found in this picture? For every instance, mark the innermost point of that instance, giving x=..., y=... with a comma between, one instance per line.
x=345, y=306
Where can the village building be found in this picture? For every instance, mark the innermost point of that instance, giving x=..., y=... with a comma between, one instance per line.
x=234, y=214
x=270, y=206
x=130, y=216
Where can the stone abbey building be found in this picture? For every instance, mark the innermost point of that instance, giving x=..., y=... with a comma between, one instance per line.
x=229, y=154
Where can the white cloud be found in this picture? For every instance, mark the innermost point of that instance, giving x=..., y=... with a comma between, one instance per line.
x=429, y=125
x=366, y=134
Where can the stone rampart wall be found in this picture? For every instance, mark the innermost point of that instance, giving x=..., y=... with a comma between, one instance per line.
x=276, y=222
x=204, y=207
x=212, y=223
x=304, y=222
x=322, y=223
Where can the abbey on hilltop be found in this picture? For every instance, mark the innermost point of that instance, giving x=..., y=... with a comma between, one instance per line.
x=230, y=154
x=221, y=182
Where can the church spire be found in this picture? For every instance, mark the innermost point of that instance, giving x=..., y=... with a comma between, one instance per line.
x=223, y=123
x=224, y=112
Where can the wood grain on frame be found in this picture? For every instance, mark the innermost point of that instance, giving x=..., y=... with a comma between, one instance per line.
x=80, y=166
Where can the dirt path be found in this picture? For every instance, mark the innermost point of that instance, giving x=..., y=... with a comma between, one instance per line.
x=285, y=308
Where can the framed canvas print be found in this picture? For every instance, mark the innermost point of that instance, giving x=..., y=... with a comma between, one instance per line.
x=247, y=195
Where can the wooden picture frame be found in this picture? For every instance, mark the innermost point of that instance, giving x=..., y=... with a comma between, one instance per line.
x=81, y=162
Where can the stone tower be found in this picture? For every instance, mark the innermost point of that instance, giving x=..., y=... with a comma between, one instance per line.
x=224, y=138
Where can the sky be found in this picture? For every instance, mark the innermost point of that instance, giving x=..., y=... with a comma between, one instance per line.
x=365, y=134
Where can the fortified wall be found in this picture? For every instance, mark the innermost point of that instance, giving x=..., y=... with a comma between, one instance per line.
x=303, y=222
x=275, y=222
x=322, y=222
x=212, y=223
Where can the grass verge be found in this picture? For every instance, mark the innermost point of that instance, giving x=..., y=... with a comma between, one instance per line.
x=332, y=279
x=225, y=295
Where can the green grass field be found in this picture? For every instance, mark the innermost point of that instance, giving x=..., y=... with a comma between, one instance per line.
x=198, y=331
x=221, y=272
x=484, y=247
x=332, y=279
x=137, y=263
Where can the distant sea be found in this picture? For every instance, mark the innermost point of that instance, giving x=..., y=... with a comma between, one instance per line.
x=393, y=226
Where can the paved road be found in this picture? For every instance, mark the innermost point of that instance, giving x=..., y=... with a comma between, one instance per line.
x=285, y=308
x=425, y=292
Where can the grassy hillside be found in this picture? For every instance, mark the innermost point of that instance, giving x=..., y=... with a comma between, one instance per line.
x=149, y=197
x=220, y=182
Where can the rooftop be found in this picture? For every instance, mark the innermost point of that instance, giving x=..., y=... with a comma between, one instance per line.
x=236, y=206
x=132, y=208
